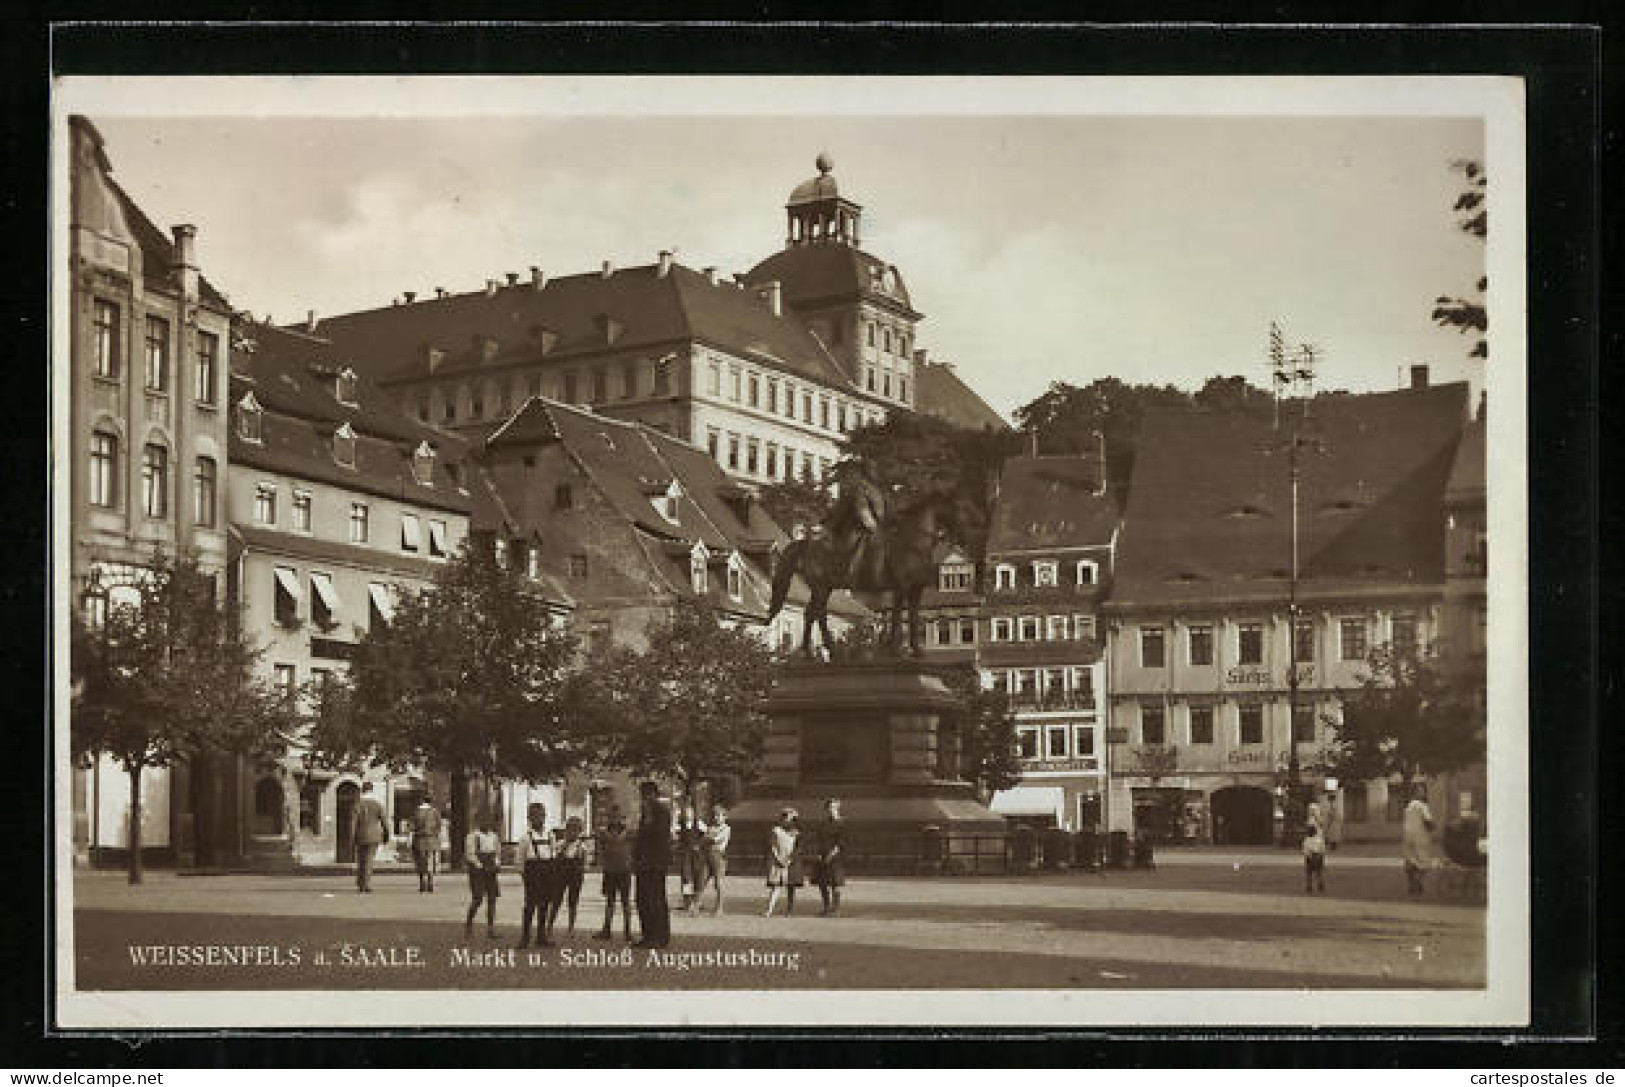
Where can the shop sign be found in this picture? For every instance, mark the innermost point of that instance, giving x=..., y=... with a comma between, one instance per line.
x=1062, y=766
x=1249, y=758
x=1257, y=676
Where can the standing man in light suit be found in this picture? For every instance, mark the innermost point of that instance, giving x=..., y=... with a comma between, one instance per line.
x=368, y=829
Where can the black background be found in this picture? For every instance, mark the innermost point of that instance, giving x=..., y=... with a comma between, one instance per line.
x=1569, y=319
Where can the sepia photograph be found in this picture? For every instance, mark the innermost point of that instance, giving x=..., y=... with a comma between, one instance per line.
x=698, y=550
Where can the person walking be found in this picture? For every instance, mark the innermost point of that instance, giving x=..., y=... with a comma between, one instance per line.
x=1417, y=841
x=615, y=858
x=1314, y=858
x=368, y=829
x=539, y=875
x=829, y=866
x=571, y=868
x=482, y=856
x=651, y=859
x=783, y=866
x=425, y=842
x=717, y=837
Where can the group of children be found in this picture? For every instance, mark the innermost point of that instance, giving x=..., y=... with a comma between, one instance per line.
x=553, y=869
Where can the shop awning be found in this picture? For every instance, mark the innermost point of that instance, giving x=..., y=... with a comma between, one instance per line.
x=323, y=584
x=437, y=537
x=289, y=581
x=1030, y=800
x=382, y=601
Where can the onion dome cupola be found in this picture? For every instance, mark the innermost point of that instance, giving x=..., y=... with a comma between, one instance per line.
x=817, y=213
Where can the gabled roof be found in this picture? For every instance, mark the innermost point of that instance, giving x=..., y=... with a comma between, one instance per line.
x=939, y=391
x=651, y=311
x=158, y=252
x=1209, y=515
x=1051, y=502
x=829, y=271
x=291, y=378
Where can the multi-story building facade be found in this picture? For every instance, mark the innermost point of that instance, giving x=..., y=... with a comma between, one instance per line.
x=1049, y=561
x=1464, y=622
x=1198, y=637
x=147, y=348
x=338, y=502
x=766, y=371
x=629, y=521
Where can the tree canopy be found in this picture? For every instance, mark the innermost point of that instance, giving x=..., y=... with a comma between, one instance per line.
x=167, y=675
x=1468, y=315
x=691, y=704
x=987, y=732
x=1410, y=718
x=472, y=677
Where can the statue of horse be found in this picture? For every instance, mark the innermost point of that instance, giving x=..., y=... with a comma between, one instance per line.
x=906, y=541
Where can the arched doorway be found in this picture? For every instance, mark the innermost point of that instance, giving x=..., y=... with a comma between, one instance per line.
x=268, y=808
x=344, y=817
x=1242, y=815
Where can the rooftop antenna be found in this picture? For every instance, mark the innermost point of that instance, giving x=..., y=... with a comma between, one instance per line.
x=1278, y=367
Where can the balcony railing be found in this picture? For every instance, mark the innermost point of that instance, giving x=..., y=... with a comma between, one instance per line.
x=1051, y=700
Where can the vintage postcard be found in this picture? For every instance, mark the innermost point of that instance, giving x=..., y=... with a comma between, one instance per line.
x=678, y=551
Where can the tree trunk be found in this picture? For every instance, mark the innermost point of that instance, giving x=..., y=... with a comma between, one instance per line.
x=135, y=823
x=459, y=815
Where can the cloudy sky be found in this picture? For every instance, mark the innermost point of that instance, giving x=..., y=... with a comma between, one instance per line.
x=1040, y=247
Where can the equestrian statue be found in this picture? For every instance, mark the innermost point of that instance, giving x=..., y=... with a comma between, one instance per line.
x=869, y=542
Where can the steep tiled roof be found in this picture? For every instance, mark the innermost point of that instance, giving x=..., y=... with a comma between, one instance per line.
x=939, y=391
x=810, y=274
x=651, y=311
x=291, y=378
x=158, y=251
x=1209, y=515
x=1466, y=484
x=1050, y=502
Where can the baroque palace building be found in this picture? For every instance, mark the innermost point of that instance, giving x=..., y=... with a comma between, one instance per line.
x=766, y=371
x=147, y=341
x=1198, y=625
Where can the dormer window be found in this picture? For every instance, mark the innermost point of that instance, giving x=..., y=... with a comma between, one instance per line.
x=954, y=577
x=666, y=504
x=697, y=575
x=1088, y=572
x=736, y=578
x=533, y=560
x=423, y=464
x=1045, y=573
x=1004, y=576
x=344, y=387
x=344, y=446
x=250, y=419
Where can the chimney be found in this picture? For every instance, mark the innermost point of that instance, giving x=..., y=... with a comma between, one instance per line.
x=310, y=320
x=185, y=258
x=665, y=264
x=410, y=296
x=772, y=292
x=1419, y=376
x=608, y=270
x=739, y=280
x=920, y=356
x=440, y=292
x=538, y=278
x=711, y=275
x=513, y=279
x=490, y=287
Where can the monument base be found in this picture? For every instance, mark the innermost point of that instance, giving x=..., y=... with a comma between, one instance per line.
x=882, y=737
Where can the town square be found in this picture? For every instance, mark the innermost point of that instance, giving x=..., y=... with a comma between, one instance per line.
x=555, y=552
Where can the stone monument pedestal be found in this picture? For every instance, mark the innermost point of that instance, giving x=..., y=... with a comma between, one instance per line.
x=881, y=737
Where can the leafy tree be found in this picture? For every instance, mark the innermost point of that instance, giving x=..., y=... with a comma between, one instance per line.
x=1409, y=718
x=795, y=502
x=169, y=677
x=1468, y=315
x=987, y=733
x=1234, y=393
x=472, y=677
x=691, y=704
x=1069, y=419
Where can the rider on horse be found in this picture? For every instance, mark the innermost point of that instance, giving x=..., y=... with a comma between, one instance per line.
x=854, y=522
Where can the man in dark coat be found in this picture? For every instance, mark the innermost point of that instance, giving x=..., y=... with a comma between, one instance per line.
x=425, y=842
x=369, y=829
x=829, y=866
x=651, y=858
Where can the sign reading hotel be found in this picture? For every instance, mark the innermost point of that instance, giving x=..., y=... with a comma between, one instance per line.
x=1255, y=676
